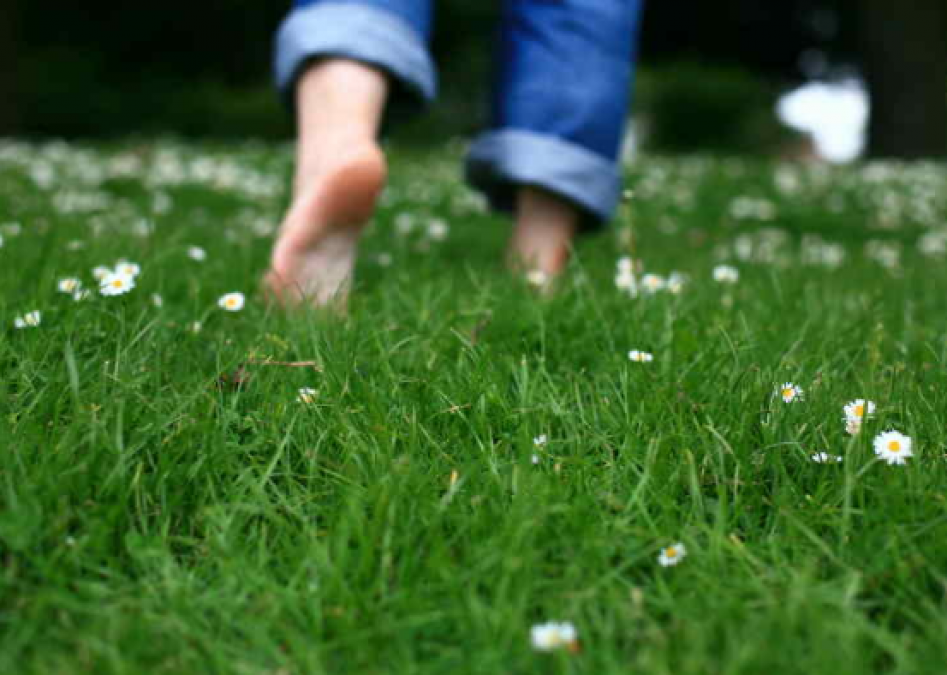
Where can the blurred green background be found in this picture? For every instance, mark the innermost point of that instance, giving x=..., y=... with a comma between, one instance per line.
x=710, y=72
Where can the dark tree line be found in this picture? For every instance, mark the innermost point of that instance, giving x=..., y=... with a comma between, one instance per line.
x=900, y=47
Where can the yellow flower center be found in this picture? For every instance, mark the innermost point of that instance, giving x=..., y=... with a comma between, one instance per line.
x=859, y=411
x=789, y=392
x=670, y=552
x=894, y=446
x=118, y=283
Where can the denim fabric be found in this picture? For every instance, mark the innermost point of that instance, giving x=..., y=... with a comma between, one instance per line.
x=390, y=34
x=560, y=98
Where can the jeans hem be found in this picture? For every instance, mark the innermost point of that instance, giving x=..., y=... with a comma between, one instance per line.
x=500, y=160
x=358, y=32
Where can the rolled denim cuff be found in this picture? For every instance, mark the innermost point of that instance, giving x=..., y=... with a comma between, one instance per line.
x=356, y=31
x=498, y=161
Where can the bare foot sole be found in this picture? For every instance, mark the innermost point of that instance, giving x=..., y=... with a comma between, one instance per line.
x=315, y=251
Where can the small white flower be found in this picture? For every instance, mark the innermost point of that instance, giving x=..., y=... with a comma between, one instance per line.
x=640, y=357
x=69, y=285
x=195, y=327
x=81, y=294
x=537, y=278
x=307, y=395
x=726, y=274
x=825, y=458
x=101, y=272
x=859, y=409
x=28, y=320
x=232, y=302
x=553, y=635
x=116, y=283
x=672, y=555
x=196, y=253
x=127, y=268
x=893, y=447
x=790, y=393
x=540, y=440
x=625, y=281
x=675, y=282
x=404, y=223
x=535, y=459
x=652, y=283
x=853, y=425
x=157, y=300
x=437, y=229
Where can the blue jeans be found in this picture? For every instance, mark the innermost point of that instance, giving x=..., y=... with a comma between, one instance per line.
x=559, y=105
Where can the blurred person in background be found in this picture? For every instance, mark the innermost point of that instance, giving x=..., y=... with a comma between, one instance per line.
x=550, y=155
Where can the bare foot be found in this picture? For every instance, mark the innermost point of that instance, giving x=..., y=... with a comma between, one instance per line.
x=314, y=255
x=542, y=237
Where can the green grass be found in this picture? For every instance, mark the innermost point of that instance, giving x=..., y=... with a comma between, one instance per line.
x=157, y=517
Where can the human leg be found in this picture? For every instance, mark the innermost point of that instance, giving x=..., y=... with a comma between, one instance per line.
x=558, y=114
x=336, y=61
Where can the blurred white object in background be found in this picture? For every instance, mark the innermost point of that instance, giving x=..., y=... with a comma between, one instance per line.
x=834, y=113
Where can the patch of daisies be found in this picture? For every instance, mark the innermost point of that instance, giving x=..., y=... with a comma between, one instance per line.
x=892, y=446
x=121, y=279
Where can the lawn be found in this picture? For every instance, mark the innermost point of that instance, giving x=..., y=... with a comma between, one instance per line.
x=185, y=489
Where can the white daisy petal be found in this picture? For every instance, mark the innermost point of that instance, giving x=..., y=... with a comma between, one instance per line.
x=893, y=447
x=553, y=635
x=232, y=302
x=791, y=393
x=672, y=555
x=116, y=283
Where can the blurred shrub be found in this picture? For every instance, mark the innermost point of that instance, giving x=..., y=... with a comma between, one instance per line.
x=66, y=95
x=690, y=107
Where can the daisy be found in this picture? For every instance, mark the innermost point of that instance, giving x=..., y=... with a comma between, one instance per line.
x=859, y=409
x=640, y=357
x=652, y=283
x=553, y=635
x=69, y=285
x=307, y=395
x=127, y=268
x=825, y=458
x=540, y=440
x=196, y=253
x=437, y=229
x=675, y=282
x=537, y=278
x=232, y=302
x=726, y=274
x=853, y=425
x=790, y=392
x=893, y=447
x=672, y=555
x=116, y=283
x=101, y=272
x=28, y=320
x=625, y=281
x=535, y=459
